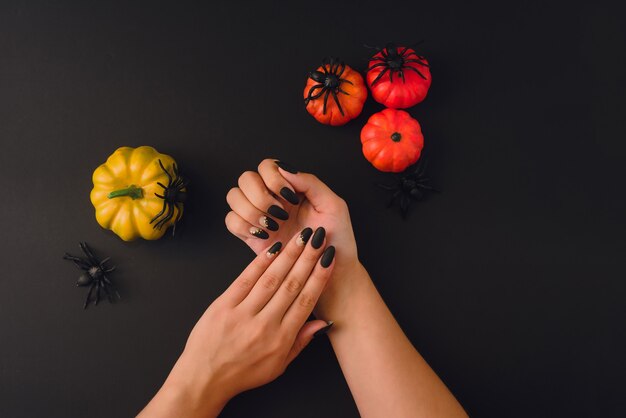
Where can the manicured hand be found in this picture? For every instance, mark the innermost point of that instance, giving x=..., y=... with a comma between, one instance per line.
x=249, y=335
x=276, y=201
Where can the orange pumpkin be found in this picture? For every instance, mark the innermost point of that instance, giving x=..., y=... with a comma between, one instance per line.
x=392, y=140
x=334, y=93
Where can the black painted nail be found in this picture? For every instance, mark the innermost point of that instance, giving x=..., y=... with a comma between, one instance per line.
x=268, y=223
x=324, y=330
x=278, y=212
x=318, y=237
x=304, y=236
x=289, y=195
x=274, y=249
x=286, y=167
x=327, y=257
x=259, y=233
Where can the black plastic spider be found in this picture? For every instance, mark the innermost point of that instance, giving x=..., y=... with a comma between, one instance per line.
x=328, y=82
x=394, y=60
x=174, y=195
x=411, y=185
x=94, y=274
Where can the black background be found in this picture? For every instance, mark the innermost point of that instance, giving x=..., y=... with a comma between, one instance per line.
x=510, y=282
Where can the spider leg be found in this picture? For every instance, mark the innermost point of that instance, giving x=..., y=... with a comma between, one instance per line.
x=88, y=253
x=166, y=218
x=408, y=67
x=417, y=62
x=340, y=90
x=325, y=101
x=343, y=80
x=108, y=282
x=391, y=75
x=160, y=213
x=107, y=293
x=337, y=101
x=78, y=262
x=393, y=198
x=311, y=96
x=378, y=77
x=158, y=195
x=162, y=185
x=378, y=59
x=384, y=53
x=387, y=187
x=89, y=295
x=175, y=167
x=380, y=64
x=343, y=67
x=166, y=172
x=98, y=286
x=404, y=205
x=402, y=75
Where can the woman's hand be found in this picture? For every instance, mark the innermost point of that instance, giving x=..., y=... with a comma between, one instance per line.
x=276, y=201
x=249, y=335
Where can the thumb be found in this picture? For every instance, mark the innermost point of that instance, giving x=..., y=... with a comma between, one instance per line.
x=316, y=191
x=308, y=331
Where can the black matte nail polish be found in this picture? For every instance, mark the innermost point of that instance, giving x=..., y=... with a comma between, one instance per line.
x=274, y=249
x=287, y=167
x=278, y=212
x=324, y=330
x=289, y=195
x=304, y=236
x=259, y=233
x=318, y=237
x=327, y=257
x=268, y=223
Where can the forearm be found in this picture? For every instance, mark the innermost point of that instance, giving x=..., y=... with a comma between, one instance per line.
x=186, y=393
x=386, y=375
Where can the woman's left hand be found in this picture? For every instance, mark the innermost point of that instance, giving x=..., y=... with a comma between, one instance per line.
x=249, y=335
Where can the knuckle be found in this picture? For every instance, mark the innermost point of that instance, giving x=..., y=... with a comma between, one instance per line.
x=292, y=251
x=246, y=176
x=311, y=256
x=293, y=285
x=306, y=301
x=245, y=283
x=270, y=281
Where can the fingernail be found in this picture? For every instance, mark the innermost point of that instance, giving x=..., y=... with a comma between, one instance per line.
x=324, y=330
x=274, y=249
x=304, y=236
x=259, y=233
x=289, y=195
x=268, y=223
x=286, y=167
x=318, y=237
x=278, y=212
x=327, y=257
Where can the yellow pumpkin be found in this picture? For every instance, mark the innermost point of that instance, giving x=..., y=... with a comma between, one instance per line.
x=138, y=192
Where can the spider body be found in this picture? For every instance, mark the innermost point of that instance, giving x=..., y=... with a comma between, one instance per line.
x=411, y=185
x=94, y=275
x=174, y=195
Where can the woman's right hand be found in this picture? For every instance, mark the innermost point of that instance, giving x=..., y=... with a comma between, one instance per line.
x=292, y=200
x=249, y=335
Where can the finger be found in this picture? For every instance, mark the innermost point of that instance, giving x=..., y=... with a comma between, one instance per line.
x=272, y=278
x=253, y=187
x=305, y=335
x=242, y=228
x=304, y=303
x=321, y=197
x=239, y=203
x=245, y=282
x=268, y=170
x=299, y=273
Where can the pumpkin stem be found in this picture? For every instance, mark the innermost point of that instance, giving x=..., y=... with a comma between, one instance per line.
x=396, y=137
x=131, y=191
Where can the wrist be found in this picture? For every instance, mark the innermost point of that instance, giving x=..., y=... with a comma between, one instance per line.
x=191, y=391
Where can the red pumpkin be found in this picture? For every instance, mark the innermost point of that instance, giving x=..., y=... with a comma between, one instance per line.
x=392, y=140
x=398, y=77
x=334, y=93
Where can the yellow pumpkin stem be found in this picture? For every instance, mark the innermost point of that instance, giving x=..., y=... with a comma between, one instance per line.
x=131, y=191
